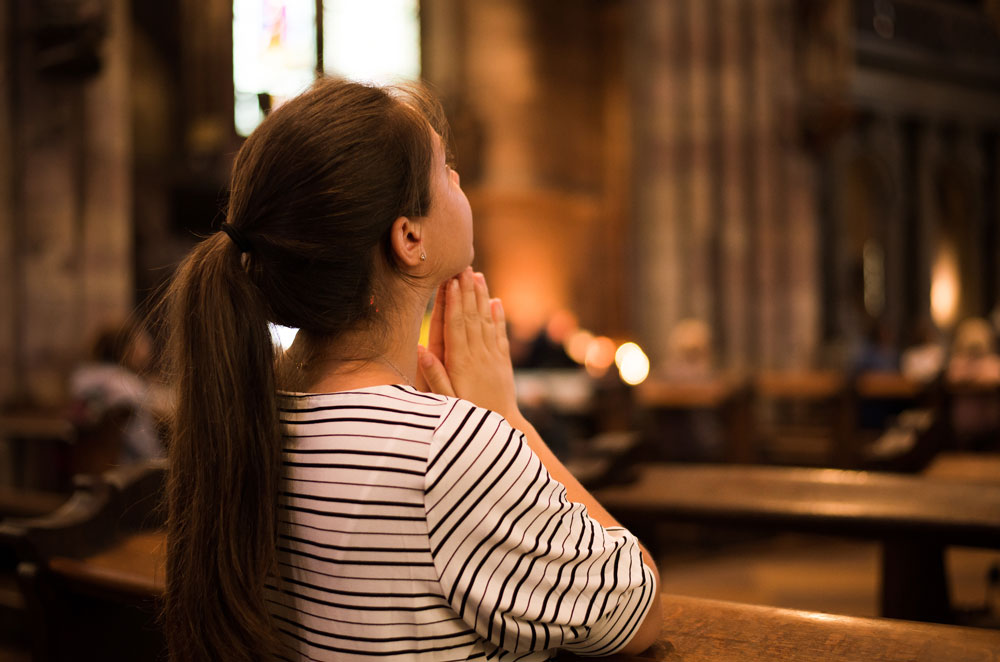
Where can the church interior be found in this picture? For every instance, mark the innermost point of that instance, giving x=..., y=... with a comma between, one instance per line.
x=749, y=254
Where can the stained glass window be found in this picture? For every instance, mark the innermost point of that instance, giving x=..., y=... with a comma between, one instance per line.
x=276, y=48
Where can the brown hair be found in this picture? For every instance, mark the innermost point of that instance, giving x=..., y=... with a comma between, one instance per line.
x=315, y=190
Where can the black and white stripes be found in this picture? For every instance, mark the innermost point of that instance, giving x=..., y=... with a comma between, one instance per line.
x=418, y=527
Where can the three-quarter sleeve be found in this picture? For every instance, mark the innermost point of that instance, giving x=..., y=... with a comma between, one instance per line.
x=525, y=567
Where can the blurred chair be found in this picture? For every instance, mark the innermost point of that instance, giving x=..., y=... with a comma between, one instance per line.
x=805, y=418
x=79, y=609
x=98, y=444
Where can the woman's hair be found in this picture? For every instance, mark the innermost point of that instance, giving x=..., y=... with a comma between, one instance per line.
x=314, y=193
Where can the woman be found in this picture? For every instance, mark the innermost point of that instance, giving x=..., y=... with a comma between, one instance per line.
x=321, y=506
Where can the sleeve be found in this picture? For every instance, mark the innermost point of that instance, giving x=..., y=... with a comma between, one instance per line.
x=525, y=567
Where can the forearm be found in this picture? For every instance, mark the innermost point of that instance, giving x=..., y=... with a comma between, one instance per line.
x=651, y=625
x=574, y=490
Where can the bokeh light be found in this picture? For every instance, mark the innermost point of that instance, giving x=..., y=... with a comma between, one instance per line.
x=600, y=355
x=576, y=345
x=632, y=362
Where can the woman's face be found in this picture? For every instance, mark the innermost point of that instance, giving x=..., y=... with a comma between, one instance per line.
x=448, y=225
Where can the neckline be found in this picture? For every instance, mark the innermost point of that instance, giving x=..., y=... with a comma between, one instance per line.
x=360, y=389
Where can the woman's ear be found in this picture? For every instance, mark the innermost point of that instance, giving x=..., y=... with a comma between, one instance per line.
x=407, y=241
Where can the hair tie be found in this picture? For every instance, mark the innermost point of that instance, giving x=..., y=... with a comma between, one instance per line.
x=237, y=237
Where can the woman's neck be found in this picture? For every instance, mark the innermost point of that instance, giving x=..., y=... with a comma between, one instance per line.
x=357, y=359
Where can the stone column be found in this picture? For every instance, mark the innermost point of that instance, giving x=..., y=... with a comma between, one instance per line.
x=71, y=222
x=735, y=135
x=768, y=240
x=9, y=356
x=657, y=56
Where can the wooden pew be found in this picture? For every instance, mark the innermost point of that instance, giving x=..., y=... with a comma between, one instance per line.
x=694, y=629
x=913, y=517
x=806, y=417
x=72, y=611
x=23, y=503
x=727, y=398
x=35, y=440
x=699, y=630
x=965, y=467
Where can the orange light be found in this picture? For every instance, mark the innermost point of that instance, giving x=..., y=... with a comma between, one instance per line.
x=600, y=356
x=945, y=287
x=576, y=345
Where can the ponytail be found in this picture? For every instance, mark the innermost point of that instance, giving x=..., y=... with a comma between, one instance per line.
x=314, y=193
x=224, y=461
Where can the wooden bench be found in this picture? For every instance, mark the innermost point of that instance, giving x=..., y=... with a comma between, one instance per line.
x=70, y=603
x=913, y=517
x=699, y=630
x=728, y=399
x=34, y=441
x=23, y=503
x=805, y=417
x=694, y=629
x=965, y=467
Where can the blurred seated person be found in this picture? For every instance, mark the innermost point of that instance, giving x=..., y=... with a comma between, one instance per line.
x=973, y=372
x=690, y=357
x=114, y=383
x=876, y=352
x=973, y=354
x=547, y=349
x=923, y=360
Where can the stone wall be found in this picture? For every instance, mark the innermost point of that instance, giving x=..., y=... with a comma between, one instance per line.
x=65, y=197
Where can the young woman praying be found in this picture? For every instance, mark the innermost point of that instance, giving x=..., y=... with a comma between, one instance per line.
x=358, y=497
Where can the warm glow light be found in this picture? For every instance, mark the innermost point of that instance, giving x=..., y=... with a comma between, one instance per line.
x=282, y=336
x=600, y=355
x=873, y=270
x=375, y=41
x=945, y=287
x=633, y=364
x=274, y=55
x=576, y=345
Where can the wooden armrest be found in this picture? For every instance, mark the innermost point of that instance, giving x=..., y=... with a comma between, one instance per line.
x=677, y=395
x=881, y=385
x=133, y=567
x=699, y=630
x=800, y=385
x=20, y=503
x=965, y=467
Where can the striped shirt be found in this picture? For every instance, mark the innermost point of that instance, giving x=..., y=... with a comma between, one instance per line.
x=419, y=527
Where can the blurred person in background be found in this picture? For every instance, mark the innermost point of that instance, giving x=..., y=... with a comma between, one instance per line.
x=973, y=377
x=115, y=381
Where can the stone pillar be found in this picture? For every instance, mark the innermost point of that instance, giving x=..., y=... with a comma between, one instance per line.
x=9, y=355
x=699, y=180
x=735, y=136
x=768, y=240
x=71, y=224
x=657, y=59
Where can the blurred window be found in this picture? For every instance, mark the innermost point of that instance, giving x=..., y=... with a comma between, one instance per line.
x=278, y=46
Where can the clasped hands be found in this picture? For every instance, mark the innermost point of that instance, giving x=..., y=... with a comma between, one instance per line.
x=468, y=353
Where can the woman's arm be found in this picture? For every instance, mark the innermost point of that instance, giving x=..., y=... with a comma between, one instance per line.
x=470, y=358
x=649, y=631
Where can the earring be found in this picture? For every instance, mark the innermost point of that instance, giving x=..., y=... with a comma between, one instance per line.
x=423, y=256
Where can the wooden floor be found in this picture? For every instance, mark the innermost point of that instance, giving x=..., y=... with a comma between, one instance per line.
x=817, y=574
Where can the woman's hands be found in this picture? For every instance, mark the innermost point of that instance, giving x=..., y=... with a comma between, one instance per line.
x=468, y=354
